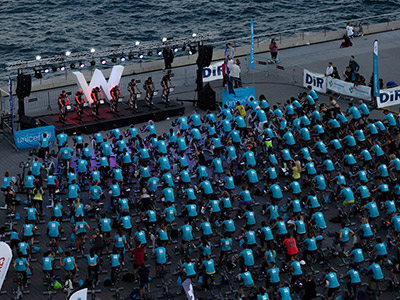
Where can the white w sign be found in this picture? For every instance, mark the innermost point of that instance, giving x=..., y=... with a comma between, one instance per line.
x=98, y=80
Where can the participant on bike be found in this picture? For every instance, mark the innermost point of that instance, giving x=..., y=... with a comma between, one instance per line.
x=21, y=265
x=150, y=88
x=48, y=265
x=132, y=93
x=97, y=96
x=166, y=85
x=115, y=95
x=69, y=265
x=63, y=102
x=80, y=100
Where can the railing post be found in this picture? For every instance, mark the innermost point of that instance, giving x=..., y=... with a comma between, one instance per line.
x=303, y=33
x=280, y=38
x=324, y=30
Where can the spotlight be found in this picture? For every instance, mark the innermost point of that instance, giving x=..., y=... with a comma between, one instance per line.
x=93, y=63
x=159, y=52
x=72, y=66
x=137, y=43
x=92, y=50
x=38, y=74
x=82, y=64
x=141, y=56
x=62, y=68
x=67, y=53
x=184, y=47
x=176, y=50
x=123, y=58
x=46, y=70
x=38, y=57
x=194, y=34
x=150, y=53
x=131, y=56
x=103, y=61
x=164, y=39
x=192, y=50
x=114, y=60
x=54, y=68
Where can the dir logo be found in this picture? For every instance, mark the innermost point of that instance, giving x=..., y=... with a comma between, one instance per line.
x=390, y=96
x=314, y=81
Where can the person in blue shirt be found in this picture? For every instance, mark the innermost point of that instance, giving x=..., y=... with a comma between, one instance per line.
x=355, y=282
x=357, y=254
x=380, y=249
x=48, y=264
x=226, y=246
x=284, y=291
x=366, y=229
x=68, y=263
x=93, y=267
x=160, y=254
x=21, y=265
x=273, y=279
x=187, y=234
x=246, y=280
x=209, y=270
x=376, y=276
x=81, y=229
x=246, y=257
x=333, y=283
x=120, y=243
x=189, y=268
x=115, y=259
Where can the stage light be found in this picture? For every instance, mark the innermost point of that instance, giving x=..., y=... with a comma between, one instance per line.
x=192, y=50
x=184, y=47
x=72, y=66
x=67, y=53
x=92, y=50
x=38, y=57
x=103, y=61
x=123, y=58
x=159, y=52
x=46, y=70
x=137, y=43
x=81, y=64
x=194, y=34
x=93, y=63
x=150, y=53
x=176, y=50
x=114, y=60
x=164, y=39
x=131, y=56
x=54, y=68
x=62, y=68
x=38, y=74
x=141, y=56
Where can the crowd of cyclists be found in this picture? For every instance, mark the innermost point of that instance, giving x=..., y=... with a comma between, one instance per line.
x=240, y=195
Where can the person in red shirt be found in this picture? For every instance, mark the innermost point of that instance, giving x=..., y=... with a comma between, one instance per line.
x=138, y=258
x=291, y=247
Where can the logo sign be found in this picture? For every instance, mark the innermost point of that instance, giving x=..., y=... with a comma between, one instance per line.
x=5, y=261
x=30, y=138
x=349, y=89
x=79, y=295
x=317, y=81
x=98, y=80
x=375, y=72
x=213, y=71
x=241, y=95
x=188, y=287
x=389, y=97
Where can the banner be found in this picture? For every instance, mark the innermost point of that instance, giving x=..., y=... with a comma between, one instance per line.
x=79, y=295
x=317, y=81
x=375, y=70
x=11, y=105
x=241, y=95
x=188, y=287
x=348, y=88
x=388, y=97
x=30, y=138
x=5, y=261
x=252, y=44
x=213, y=71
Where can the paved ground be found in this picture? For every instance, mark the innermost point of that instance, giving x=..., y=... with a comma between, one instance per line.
x=277, y=86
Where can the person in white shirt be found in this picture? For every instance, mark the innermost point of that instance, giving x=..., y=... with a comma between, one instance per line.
x=235, y=74
x=349, y=30
x=329, y=69
x=230, y=62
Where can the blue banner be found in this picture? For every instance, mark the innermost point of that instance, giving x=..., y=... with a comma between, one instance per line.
x=252, y=44
x=11, y=106
x=375, y=71
x=241, y=95
x=30, y=138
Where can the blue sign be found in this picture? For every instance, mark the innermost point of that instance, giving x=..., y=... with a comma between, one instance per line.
x=252, y=44
x=375, y=72
x=241, y=95
x=30, y=138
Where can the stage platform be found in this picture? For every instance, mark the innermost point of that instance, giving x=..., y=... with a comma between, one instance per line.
x=125, y=117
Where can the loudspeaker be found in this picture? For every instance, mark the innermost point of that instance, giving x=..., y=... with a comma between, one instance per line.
x=27, y=122
x=205, y=56
x=24, y=85
x=207, y=98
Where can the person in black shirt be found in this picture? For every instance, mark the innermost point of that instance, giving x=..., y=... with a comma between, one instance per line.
x=115, y=94
x=143, y=273
x=310, y=288
x=132, y=94
x=166, y=84
x=149, y=87
x=63, y=102
x=79, y=102
x=96, y=96
x=168, y=57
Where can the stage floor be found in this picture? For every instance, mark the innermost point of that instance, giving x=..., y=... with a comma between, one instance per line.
x=125, y=117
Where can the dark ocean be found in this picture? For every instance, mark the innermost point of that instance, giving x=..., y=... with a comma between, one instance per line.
x=50, y=27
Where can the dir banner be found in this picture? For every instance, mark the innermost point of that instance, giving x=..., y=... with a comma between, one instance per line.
x=213, y=71
x=317, y=81
x=188, y=287
x=30, y=138
x=241, y=95
x=5, y=261
x=348, y=88
x=388, y=97
x=79, y=295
